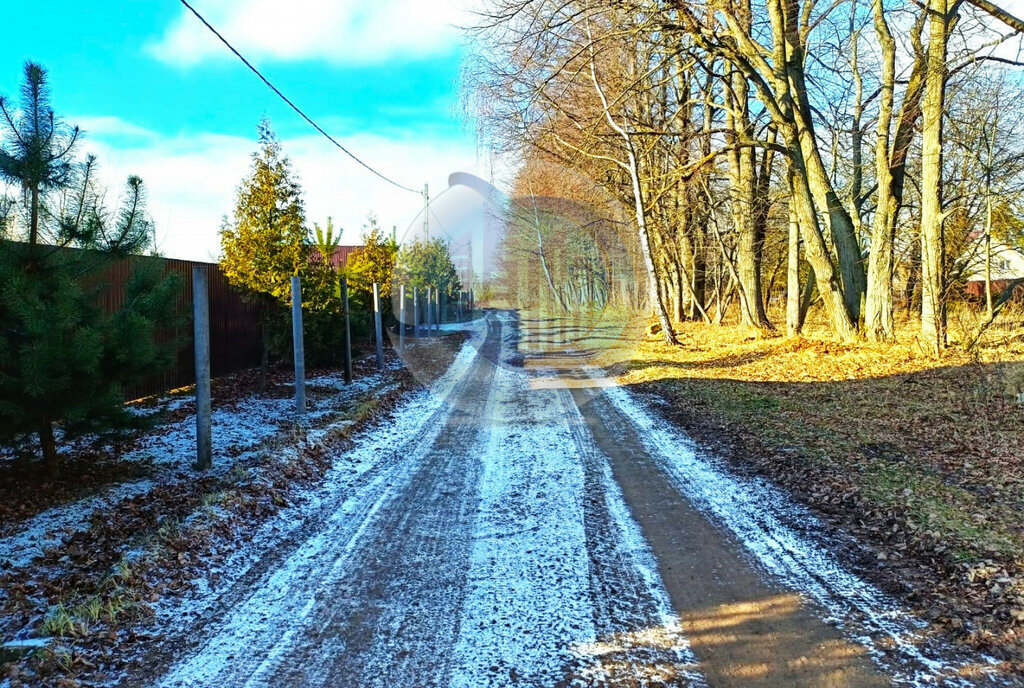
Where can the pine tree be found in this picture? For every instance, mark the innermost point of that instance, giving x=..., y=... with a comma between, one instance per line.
x=428, y=263
x=63, y=359
x=374, y=262
x=326, y=240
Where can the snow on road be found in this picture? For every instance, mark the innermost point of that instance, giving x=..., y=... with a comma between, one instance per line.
x=479, y=539
x=528, y=600
x=466, y=557
x=258, y=633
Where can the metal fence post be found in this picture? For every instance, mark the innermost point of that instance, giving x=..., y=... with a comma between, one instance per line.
x=297, y=345
x=348, y=332
x=377, y=329
x=204, y=413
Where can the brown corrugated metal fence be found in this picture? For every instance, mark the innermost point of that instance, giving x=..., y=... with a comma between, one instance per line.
x=235, y=329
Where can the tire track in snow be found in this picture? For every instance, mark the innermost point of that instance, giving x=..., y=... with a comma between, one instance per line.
x=562, y=588
x=390, y=619
x=528, y=600
x=640, y=640
x=258, y=631
x=757, y=514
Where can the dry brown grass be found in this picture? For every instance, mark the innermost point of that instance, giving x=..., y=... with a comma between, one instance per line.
x=923, y=457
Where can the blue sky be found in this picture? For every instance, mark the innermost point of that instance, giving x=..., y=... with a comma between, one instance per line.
x=161, y=97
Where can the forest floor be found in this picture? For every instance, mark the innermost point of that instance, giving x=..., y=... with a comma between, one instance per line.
x=921, y=459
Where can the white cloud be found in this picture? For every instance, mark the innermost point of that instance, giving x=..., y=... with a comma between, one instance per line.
x=340, y=31
x=192, y=180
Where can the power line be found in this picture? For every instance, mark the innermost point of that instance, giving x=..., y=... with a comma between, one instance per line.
x=290, y=103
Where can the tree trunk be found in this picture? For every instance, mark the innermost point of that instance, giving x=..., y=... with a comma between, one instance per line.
x=933, y=315
x=33, y=225
x=890, y=166
x=685, y=258
x=807, y=298
x=878, y=317
x=838, y=220
x=809, y=182
x=829, y=285
x=793, y=320
x=988, y=261
x=51, y=460
x=743, y=180
x=913, y=275
x=698, y=273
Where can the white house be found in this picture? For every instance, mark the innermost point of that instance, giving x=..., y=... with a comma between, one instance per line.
x=1007, y=261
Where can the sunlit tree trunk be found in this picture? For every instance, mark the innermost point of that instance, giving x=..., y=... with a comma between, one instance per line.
x=878, y=317
x=933, y=314
x=838, y=220
x=793, y=320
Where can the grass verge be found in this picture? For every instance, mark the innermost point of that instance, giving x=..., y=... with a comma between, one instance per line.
x=922, y=459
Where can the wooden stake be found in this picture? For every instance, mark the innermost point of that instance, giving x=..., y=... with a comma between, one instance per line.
x=348, y=332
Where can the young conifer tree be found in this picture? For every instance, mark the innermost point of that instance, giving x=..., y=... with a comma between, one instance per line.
x=64, y=360
x=264, y=244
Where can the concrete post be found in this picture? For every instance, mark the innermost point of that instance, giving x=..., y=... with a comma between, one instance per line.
x=401, y=318
x=427, y=309
x=297, y=345
x=415, y=312
x=377, y=329
x=204, y=412
x=348, y=332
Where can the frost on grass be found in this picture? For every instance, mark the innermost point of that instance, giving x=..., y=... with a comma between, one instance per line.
x=239, y=432
x=30, y=538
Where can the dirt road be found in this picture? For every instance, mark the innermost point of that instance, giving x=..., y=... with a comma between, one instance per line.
x=528, y=523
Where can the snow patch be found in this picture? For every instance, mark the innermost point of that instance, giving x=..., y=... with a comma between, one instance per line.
x=527, y=603
x=54, y=527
